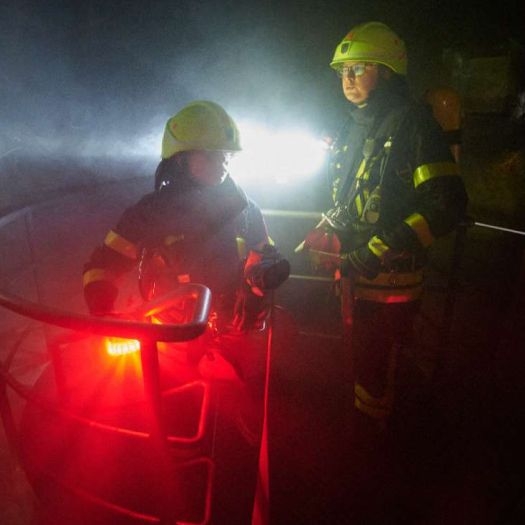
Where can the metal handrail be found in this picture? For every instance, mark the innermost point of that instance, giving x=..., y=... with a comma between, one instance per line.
x=149, y=334
x=141, y=326
x=122, y=327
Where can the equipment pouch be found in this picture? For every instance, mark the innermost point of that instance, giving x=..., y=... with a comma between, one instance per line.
x=372, y=207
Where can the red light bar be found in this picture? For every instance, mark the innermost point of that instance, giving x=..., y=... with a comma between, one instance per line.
x=116, y=346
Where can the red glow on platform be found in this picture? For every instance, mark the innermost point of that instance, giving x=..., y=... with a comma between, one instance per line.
x=394, y=299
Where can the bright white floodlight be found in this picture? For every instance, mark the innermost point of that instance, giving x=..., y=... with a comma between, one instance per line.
x=279, y=156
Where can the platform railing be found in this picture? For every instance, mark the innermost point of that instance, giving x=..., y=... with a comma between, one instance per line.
x=18, y=231
x=149, y=334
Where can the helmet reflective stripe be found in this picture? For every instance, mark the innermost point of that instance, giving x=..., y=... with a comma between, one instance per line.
x=372, y=42
x=201, y=125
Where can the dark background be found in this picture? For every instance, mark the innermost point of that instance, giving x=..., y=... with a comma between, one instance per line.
x=97, y=76
x=84, y=86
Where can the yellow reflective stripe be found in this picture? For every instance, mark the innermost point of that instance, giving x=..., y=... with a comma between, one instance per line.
x=361, y=169
x=358, y=205
x=117, y=243
x=421, y=228
x=172, y=239
x=378, y=407
x=436, y=169
x=378, y=247
x=391, y=296
x=97, y=274
x=390, y=287
x=359, y=175
x=242, y=252
x=375, y=412
x=393, y=279
x=335, y=187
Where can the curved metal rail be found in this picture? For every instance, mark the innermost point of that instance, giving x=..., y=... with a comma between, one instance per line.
x=122, y=327
x=149, y=334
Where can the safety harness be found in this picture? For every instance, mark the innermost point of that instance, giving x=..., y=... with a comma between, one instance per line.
x=355, y=200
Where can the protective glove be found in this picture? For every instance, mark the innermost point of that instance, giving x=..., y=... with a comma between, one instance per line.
x=323, y=247
x=250, y=310
x=100, y=297
x=265, y=270
x=360, y=262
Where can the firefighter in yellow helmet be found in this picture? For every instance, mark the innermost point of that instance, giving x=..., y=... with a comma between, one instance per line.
x=395, y=188
x=192, y=227
x=199, y=226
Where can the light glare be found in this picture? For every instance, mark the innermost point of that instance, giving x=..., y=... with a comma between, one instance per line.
x=282, y=157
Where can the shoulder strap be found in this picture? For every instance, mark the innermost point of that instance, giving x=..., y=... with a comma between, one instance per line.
x=390, y=129
x=386, y=127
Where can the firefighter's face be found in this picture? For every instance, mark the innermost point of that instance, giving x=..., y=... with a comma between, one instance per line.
x=359, y=80
x=208, y=168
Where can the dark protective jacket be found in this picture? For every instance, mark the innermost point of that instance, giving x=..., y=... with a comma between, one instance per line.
x=396, y=188
x=192, y=231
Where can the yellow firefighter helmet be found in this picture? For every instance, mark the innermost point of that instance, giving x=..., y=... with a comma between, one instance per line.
x=372, y=42
x=201, y=125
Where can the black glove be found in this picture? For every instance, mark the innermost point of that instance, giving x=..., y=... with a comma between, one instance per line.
x=265, y=270
x=100, y=297
x=361, y=262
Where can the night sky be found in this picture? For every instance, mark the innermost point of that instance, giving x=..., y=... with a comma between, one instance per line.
x=72, y=72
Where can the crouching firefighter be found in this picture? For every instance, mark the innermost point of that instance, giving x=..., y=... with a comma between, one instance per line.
x=196, y=226
x=395, y=188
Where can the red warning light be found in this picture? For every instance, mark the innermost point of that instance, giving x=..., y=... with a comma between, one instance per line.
x=116, y=346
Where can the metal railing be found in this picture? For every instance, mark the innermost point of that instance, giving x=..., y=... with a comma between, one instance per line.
x=148, y=334
x=138, y=327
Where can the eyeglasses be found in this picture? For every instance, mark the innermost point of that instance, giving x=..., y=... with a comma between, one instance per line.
x=353, y=71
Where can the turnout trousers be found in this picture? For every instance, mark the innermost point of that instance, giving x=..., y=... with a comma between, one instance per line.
x=377, y=334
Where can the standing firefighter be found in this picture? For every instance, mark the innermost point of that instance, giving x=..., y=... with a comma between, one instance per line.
x=396, y=188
